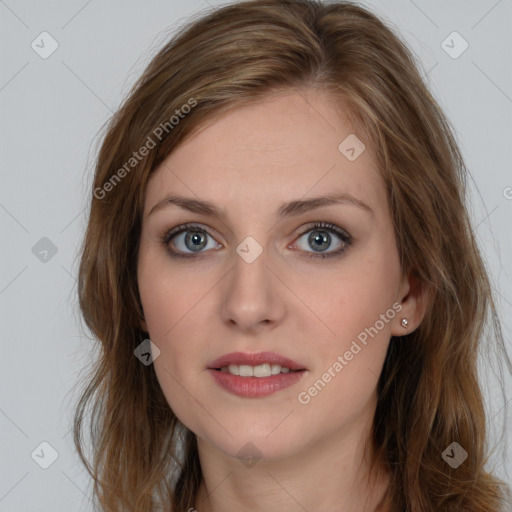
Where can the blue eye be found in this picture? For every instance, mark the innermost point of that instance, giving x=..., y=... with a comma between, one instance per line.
x=320, y=237
x=195, y=239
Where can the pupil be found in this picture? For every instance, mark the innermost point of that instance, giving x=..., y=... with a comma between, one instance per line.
x=319, y=239
x=197, y=240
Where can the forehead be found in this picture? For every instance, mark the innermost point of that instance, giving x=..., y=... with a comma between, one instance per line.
x=281, y=149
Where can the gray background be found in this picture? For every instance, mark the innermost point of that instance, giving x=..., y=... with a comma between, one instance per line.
x=52, y=110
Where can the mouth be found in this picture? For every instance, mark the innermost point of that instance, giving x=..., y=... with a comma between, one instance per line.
x=255, y=375
x=261, y=364
x=259, y=371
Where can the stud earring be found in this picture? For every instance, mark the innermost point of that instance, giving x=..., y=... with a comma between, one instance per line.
x=405, y=323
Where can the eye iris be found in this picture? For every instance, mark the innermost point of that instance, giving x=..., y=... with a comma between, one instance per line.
x=197, y=238
x=319, y=239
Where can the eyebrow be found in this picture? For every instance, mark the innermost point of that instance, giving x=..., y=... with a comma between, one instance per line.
x=291, y=208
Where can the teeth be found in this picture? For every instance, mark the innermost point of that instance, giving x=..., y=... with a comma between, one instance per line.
x=245, y=370
x=262, y=370
x=275, y=369
x=233, y=369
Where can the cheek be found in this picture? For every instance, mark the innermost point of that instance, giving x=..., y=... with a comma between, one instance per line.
x=345, y=378
x=167, y=294
x=363, y=292
x=174, y=313
x=172, y=322
x=172, y=317
x=358, y=311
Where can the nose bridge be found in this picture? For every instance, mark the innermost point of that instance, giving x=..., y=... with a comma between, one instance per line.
x=251, y=272
x=250, y=294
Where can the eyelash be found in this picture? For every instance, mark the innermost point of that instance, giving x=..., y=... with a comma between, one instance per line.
x=325, y=226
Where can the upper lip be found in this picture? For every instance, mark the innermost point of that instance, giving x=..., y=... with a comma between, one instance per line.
x=255, y=359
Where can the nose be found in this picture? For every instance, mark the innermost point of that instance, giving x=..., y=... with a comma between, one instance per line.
x=253, y=294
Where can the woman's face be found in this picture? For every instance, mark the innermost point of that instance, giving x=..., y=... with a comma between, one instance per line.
x=260, y=277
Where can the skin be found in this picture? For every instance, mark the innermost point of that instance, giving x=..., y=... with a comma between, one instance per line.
x=249, y=162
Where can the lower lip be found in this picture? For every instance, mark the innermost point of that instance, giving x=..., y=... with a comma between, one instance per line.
x=253, y=387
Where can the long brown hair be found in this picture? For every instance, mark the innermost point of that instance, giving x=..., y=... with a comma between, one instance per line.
x=429, y=394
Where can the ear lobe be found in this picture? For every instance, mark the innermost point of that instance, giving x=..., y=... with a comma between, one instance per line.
x=414, y=305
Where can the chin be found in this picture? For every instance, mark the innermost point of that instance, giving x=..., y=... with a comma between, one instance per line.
x=252, y=441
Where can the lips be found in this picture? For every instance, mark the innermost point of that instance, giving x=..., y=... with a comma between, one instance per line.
x=225, y=372
x=254, y=359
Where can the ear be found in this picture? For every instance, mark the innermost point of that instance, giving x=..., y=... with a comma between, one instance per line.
x=412, y=297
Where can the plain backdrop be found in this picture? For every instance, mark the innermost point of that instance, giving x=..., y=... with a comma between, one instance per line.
x=52, y=106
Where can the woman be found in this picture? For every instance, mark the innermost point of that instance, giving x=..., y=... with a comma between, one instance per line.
x=281, y=272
